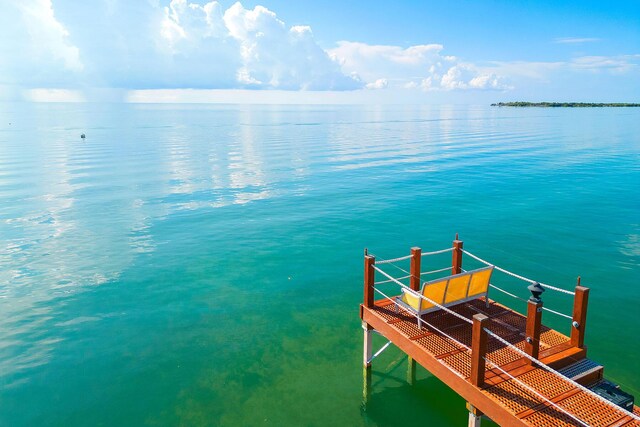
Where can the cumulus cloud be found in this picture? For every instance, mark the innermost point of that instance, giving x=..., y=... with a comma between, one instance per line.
x=142, y=45
x=185, y=44
x=34, y=45
x=274, y=56
x=421, y=66
x=378, y=84
x=178, y=44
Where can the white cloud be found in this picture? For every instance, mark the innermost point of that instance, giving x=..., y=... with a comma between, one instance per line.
x=614, y=64
x=258, y=49
x=274, y=56
x=544, y=71
x=181, y=44
x=575, y=40
x=378, y=84
x=421, y=66
x=48, y=36
x=142, y=45
x=35, y=46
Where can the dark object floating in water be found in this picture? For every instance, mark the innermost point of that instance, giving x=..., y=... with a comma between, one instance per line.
x=565, y=104
x=82, y=136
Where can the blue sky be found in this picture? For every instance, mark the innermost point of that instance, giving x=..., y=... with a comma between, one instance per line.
x=470, y=52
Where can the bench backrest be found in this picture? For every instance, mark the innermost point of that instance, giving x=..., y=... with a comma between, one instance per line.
x=458, y=287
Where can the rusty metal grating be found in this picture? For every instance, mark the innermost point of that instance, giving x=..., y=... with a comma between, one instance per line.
x=494, y=309
x=513, y=396
x=501, y=329
x=551, y=338
x=551, y=417
x=633, y=423
x=513, y=319
x=501, y=355
x=441, y=319
x=591, y=410
x=461, y=333
x=546, y=383
x=460, y=362
x=408, y=327
x=464, y=309
x=387, y=312
x=437, y=345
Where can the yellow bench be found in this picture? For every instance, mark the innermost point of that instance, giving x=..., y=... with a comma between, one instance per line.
x=447, y=291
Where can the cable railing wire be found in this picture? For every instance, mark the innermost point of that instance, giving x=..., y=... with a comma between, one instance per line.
x=550, y=369
x=408, y=275
x=388, y=281
x=419, y=295
x=540, y=395
x=434, y=328
x=436, y=271
x=441, y=251
x=508, y=293
x=503, y=341
x=517, y=276
x=392, y=260
x=467, y=349
x=524, y=300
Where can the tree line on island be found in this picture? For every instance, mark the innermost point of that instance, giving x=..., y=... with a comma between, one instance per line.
x=564, y=104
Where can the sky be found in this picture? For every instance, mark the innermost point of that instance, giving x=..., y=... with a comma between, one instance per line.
x=282, y=51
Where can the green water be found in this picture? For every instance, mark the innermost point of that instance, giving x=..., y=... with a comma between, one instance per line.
x=202, y=265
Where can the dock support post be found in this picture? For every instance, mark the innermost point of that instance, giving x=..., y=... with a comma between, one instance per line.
x=534, y=321
x=456, y=260
x=416, y=257
x=475, y=416
x=366, y=364
x=411, y=370
x=579, y=321
x=478, y=349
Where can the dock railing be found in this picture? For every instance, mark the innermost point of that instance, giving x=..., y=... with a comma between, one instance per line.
x=578, y=317
x=480, y=333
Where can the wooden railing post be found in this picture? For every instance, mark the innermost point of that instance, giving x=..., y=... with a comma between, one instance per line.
x=534, y=322
x=416, y=258
x=414, y=283
x=369, y=279
x=579, y=321
x=478, y=349
x=456, y=259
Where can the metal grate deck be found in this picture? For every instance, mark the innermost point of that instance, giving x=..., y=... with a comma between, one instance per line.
x=509, y=393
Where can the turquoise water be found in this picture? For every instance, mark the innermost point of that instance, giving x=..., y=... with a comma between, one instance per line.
x=202, y=265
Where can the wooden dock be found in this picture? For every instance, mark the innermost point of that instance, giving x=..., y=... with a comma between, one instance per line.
x=503, y=363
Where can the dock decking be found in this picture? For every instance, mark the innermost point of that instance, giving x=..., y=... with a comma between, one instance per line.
x=512, y=391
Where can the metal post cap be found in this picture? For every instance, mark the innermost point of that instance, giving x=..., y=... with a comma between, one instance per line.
x=536, y=290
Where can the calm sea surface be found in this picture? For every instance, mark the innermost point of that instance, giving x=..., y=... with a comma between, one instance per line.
x=202, y=265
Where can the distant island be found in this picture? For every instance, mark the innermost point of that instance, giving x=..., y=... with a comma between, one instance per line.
x=564, y=104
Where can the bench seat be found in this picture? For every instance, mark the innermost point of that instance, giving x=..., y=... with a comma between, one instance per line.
x=446, y=291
